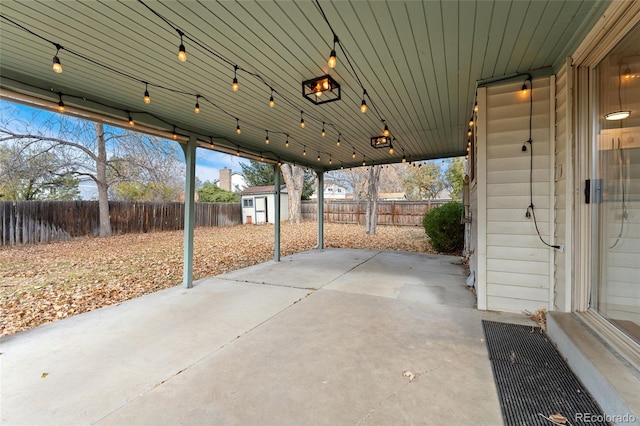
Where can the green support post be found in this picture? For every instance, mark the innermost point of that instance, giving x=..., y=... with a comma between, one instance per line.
x=276, y=244
x=189, y=210
x=320, y=175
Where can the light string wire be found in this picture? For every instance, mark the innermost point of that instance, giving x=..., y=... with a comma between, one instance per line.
x=531, y=208
x=172, y=90
x=353, y=72
x=240, y=68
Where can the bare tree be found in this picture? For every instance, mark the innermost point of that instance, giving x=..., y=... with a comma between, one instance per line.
x=89, y=152
x=294, y=179
x=372, y=200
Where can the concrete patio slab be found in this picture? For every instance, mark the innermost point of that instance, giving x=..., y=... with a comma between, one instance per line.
x=232, y=352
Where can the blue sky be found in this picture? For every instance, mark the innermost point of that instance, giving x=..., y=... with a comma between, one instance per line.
x=207, y=162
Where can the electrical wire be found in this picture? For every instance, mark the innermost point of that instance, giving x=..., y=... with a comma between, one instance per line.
x=531, y=209
x=162, y=87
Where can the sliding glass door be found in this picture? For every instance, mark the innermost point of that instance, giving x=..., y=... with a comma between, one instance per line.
x=614, y=193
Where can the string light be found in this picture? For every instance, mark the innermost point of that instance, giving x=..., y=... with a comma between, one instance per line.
x=175, y=135
x=404, y=159
x=147, y=98
x=235, y=85
x=266, y=139
x=238, y=151
x=238, y=131
x=363, y=105
x=272, y=103
x=391, y=150
x=304, y=151
x=131, y=123
x=301, y=120
x=354, y=154
x=471, y=122
x=279, y=163
x=341, y=166
x=318, y=159
x=338, y=141
x=385, y=132
x=330, y=159
x=332, y=62
x=211, y=141
x=261, y=157
x=196, y=109
x=57, y=66
x=182, y=53
x=364, y=160
x=469, y=132
x=475, y=107
x=60, y=104
x=524, y=88
x=286, y=142
x=323, y=133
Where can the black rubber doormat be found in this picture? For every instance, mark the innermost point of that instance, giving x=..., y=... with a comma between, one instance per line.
x=534, y=383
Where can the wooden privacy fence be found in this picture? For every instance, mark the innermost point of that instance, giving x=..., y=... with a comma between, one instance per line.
x=33, y=222
x=404, y=213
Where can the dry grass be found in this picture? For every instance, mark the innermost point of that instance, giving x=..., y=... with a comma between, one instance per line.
x=44, y=283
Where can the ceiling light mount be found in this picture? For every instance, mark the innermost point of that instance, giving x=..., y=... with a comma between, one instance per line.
x=320, y=90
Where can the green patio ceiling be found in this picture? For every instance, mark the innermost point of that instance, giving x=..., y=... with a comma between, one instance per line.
x=418, y=61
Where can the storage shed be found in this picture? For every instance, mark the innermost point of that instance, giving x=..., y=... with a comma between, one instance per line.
x=258, y=204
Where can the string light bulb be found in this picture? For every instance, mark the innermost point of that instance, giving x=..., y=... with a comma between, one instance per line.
x=338, y=141
x=147, y=98
x=272, y=103
x=196, y=109
x=235, y=85
x=391, y=150
x=364, y=160
x=332, y=62
x=261, y=157
x=131, y=122
x=524, y=89
x=175, y=135
x=330, y=159
x=238, y=152
x=385, y=132
x=182, y=52
x=404, y=159
x=323, y=133
x=57, y=66
x=353, y=155
x=266, y=139
x=318, y=159
x=301, y=120
x=286, y=142
x=471, y=122
x=363, y=105
x=469, y=132
x=238, y=131
x=475, y=107
x=60, y=104
x=304, y=151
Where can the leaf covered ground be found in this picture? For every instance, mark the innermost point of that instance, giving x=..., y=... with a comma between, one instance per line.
x=44, y=283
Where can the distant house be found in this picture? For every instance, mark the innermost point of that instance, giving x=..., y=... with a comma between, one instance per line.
x=258, y=204
x=230, y=181
x=332, y=191
x=392, y=196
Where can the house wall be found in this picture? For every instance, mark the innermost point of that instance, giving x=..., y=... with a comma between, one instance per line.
x=563, y=181
x=514, y=264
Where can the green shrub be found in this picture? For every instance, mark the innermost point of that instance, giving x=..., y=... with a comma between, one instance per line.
x=442, y=225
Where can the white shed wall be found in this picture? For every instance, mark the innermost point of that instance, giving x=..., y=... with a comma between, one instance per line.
x=271, y=207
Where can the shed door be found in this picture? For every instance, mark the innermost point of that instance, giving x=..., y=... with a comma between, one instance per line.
x=261, y=210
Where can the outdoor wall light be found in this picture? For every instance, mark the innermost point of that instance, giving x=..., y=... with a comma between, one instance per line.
x=617, y=115
x=320, y=90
